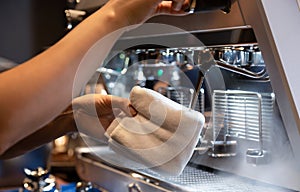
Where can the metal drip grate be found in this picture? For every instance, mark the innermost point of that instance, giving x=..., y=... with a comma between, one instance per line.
x=194, y=178
x=201, y=179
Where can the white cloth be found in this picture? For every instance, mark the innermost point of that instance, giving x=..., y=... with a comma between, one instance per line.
x=162, y=136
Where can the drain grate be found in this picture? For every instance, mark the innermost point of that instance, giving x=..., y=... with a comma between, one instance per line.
x=207, y=180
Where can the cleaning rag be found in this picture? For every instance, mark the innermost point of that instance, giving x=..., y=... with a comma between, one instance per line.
x=161, y=137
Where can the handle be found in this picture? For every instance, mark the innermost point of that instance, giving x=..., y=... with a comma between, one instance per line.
x=208, y=5
x=211, y=5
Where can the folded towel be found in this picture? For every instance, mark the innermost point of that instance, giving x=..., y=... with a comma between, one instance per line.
x=162, y=136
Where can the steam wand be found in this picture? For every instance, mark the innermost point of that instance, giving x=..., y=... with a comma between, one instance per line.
x=198, y=88
x=203, y=61
x=226, y=148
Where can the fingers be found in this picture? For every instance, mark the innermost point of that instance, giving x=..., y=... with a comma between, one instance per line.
x=177, y=4
x=102, y=105
x=106, y=104
x=124, y=105
x=103, y=108
x=173, y=7
x=132, y=110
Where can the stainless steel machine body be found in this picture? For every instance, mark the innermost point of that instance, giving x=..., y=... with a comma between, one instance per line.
x=253, y=121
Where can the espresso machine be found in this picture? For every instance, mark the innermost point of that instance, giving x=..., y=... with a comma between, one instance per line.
x=242, y=65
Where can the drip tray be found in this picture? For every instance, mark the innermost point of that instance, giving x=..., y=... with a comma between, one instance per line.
x=92, y=168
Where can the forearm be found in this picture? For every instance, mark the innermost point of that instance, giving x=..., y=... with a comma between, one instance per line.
x=42, y=87
x=61, y=125
x=33, y=93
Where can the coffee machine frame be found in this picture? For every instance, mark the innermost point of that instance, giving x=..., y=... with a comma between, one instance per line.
x=257, y=22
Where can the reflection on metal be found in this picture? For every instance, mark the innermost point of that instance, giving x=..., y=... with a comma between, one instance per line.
x=180, y=95
x=193, y=178
x=88, y=187
x=258, y=156
x=134, y=187
x=39, y=180
x=73, y=17
x=223, y=148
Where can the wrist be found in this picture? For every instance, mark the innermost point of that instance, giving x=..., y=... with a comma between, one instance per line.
x=109, y=19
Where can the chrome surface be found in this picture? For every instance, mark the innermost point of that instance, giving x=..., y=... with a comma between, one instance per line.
x=223, y=148
x=246, y=127
x=134, y=187
x=245, y=115
x=193, y=178
x=182, y=95
x=280, y=63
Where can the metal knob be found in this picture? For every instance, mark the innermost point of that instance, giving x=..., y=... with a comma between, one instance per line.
x=223, y=148
x=257, y=156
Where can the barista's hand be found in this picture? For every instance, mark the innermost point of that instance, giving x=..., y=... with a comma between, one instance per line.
x=137, y=11
x=89, y=110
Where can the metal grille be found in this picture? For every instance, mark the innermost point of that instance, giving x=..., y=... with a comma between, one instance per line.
x=183, y=95
x=242, y=114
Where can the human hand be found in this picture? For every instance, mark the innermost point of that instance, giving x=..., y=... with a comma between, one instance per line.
x=138, y=11
x=93, y=113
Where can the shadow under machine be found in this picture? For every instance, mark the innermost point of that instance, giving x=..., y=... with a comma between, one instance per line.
x=243, y=68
